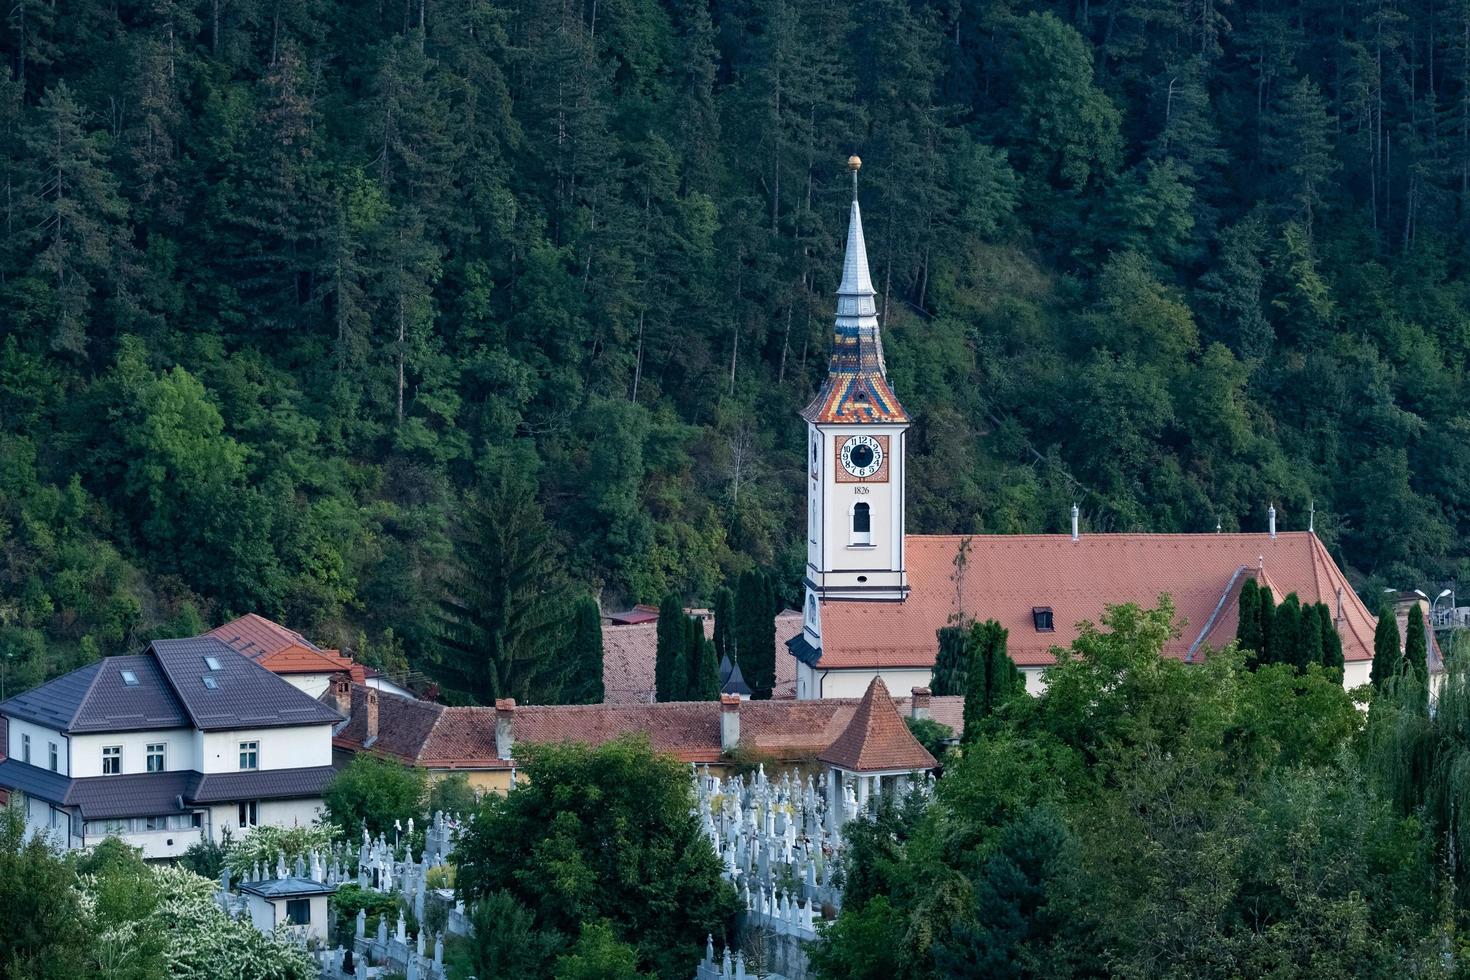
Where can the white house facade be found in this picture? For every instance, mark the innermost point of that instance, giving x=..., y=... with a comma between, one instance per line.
x=165, y=748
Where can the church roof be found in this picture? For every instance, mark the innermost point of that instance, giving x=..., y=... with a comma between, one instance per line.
x=856, y=388
x=877, y=739
x=1010, y=577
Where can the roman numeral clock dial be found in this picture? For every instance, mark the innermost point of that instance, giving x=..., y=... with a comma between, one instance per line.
x=861, y=456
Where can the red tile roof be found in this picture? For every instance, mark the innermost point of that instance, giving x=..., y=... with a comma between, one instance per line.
x=629, y=651
x=877, y=739
x=439, y=737
x=281, y=650
x=1005, y=576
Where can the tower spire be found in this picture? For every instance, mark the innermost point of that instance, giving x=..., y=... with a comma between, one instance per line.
x=856, y=389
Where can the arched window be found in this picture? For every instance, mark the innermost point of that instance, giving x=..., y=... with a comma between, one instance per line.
x=862, y=525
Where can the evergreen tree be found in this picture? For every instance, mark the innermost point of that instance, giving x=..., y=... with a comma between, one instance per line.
x=1248, y=627
x=1386, y=653
x=584, y=654
x=725, y=625
x=755, y=637
x=669, y=675
x=702, y=677
x=502, y=617
x=1332, y=657
x=992, y=678
x=952, y=663
x=1311, y=642
x=1416, y=645
x=1285, y=642
x=1268, y=624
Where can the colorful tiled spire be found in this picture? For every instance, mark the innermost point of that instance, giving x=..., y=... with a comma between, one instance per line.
x=856, y=389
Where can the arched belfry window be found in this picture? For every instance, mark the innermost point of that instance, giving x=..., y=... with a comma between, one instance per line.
x=862, y=525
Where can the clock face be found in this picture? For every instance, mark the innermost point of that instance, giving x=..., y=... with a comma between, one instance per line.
x=861, y=456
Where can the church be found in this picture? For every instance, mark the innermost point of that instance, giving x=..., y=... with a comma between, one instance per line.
x=876, y=595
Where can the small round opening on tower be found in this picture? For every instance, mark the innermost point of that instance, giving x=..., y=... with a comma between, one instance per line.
x=862, y=578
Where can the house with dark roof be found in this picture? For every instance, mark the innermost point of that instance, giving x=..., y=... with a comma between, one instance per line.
x=166, y=747
x=876, y=594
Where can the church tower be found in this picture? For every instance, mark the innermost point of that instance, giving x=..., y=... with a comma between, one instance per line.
x=855, y=455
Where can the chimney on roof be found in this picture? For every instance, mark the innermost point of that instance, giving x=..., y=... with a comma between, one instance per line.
x=729, y=721
x=1271, y=521
x=342, y=694
x=1076, y=531
x=372, y=717
x=919, y=706
x=505, y=719
x=1311, y=517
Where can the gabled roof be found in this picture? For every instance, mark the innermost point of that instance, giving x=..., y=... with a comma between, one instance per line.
x=257, y=637
x=243, y=694
x=877, y=740
x=96, y=698
x=55, y=703
x=1006, y=576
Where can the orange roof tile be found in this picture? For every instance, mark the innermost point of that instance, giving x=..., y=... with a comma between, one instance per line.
x=877, y=739
x=257, y=637
x=1006, y=576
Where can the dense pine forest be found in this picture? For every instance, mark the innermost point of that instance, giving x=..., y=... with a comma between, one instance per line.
x=287, y=283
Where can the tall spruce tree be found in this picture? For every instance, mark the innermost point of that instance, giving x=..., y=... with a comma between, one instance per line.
x=1416, y=645
x=1248, y=627
x=1386, y=654
x=952, y=664
x=584, y=654
x=669, y=675
x=992, y=678
x=502, y=618
x=1332, y=658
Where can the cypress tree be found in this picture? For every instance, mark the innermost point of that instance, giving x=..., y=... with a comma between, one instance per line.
x=668, y=679
x=952, y=662
x=1248, y=628
x=584, y=654
x=992, y=678
x=702, y=680
x=724, y=625
x=1310, y=642
x=755, y=633
x=1416, y=644
x=1268, y=623
x=1332, y=657
x=1385, y=647
x=1285, y=641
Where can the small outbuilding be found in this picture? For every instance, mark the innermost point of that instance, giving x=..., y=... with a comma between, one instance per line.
x=294, y=903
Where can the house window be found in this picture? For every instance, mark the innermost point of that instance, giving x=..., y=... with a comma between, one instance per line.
x=54, y=757
x=298, y=911
x=129, y=678
x=111, y=760
x=862, y=525
x=155, y=823
x=25, y=749
x=1041, y=619
x=249, y=755
x=248, y=814
x=155, y=756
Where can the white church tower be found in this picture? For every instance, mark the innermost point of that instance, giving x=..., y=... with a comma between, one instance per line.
x=855, y=458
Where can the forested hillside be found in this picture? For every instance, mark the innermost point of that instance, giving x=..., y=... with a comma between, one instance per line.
x=285, y=282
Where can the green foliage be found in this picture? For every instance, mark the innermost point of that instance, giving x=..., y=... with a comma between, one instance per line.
x=374, y=792
x=702, y=669
x=755, y=631
x=502, y=622
x=952, y=663
x=724, y=625
x=931, y=734
x=992, y=678
x=1416, y=645
x=605, y=833
x=450, y=794
x=507, y=941
x=42, y=932
x=349, y=899
x=598, y=955
x=265, y=843
x=1248, y=627
x=1386, y=652
x=584, y=654
x=669, y=653
x=206, y=858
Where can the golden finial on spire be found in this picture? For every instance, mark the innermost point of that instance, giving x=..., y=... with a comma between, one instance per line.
x=854, y=163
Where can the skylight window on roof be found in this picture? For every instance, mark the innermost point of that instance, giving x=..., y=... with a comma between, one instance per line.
x=129, y=678
x=212, y=663
x=210, y=682
x=1041, y=618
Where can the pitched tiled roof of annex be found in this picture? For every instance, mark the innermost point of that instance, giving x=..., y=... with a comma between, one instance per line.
x=404, y=724
x=301, y=660
x=876, y=739
x=464, y=737
x=1006, y=576
x=55, y=703
x=257, y=637
x=629, y=652
x=260, y=784
x=244, y=694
